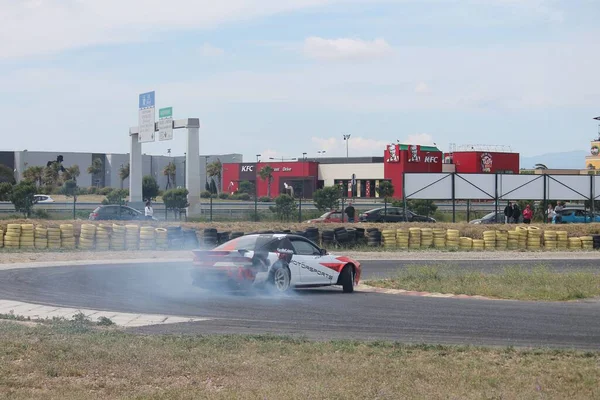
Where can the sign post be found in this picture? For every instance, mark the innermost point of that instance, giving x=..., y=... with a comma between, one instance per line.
x=146, y=117
x=165, y=124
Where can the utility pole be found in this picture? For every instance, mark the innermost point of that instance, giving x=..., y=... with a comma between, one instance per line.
x=347, y=139
x=256, y=189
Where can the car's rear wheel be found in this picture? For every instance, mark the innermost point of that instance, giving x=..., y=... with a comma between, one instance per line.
x=347, y=279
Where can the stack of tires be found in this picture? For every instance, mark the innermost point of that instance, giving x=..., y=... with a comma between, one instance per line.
x=465, y=243
x=341, y=236
x=489, y=240
x=360, y=236
x=12, y=240
x=513, y=240
x=54, y=238
x=147, y=238
x=175, y=237
x=478, y=244
x=562, y=240
x=574, y=243
x=235, y=235
x=1, y=238
x=534, y=238
x=210, y=238
x=439, y=238
x=523, y=234
x=190, y=240
x=550, y=240
x=41, y=238
x=117, y=238
x=87, y=238
x=132, y=237
x=426, y=238
x=452, y=239
x=222, y=237
x=27, y=241
x=596, y=241
x=351, y=236
x=311, y=234
x=402, y=238
x=327, y=238
x=67, y=236
x=587, y=242
x=388, y=239
x=103, y=237
x=501, y=240
x=161, y=238
x=373, y=237
x=414, y=238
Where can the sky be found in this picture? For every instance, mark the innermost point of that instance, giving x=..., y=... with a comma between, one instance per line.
x=285, y=77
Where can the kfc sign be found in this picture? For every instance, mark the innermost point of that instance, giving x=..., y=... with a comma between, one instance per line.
x=486, y=162
x=415, y=156
x=431, y=159
x=247, y=168
x=247, y=172
x=392, y=153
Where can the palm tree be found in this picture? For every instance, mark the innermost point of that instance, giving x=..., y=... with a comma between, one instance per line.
x=170, y=172
x=71, y=173
x=214, y=170
x=96, y=167
x=385, y=190
x=123, y=173
x=51, y=175
x=266, y=174
x=540, y=166
x=34, y=174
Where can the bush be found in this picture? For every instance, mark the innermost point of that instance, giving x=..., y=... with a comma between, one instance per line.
x=243, y=196
x=176, y=199
x=5, y=191
x=327, y=198
x=22, y=197
x=149, y=188
x=92, y=190
x=223, y=195
x=285, y=207
x=41, y=214
x=265, y=199
x=105, y=191
x=205, y=194
x=116, y=196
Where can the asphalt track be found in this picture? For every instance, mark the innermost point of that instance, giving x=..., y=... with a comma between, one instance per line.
x=165, y=288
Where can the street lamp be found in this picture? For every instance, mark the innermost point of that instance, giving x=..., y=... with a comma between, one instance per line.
x=347, y=139
x=256, y=189
x=283, y=159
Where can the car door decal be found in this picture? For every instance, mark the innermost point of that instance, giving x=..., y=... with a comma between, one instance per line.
x=312, y=270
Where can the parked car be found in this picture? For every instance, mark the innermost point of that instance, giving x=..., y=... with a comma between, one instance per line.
x=578, y=215
x=117, y=213
x=491, y=218
x=393, y=214
x=328, y=217
x=42, y=199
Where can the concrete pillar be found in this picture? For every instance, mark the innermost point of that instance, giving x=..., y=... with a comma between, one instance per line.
x=135, y=172
x=192, y=169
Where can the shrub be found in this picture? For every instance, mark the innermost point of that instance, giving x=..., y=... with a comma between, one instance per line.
x=176, y=199
x=327, y=198
x=22, y=197
x=105, y=191
x=41, y=214
x=92, y=190
x=149, y=188
x=116, y=196
x=243, y=196
x=205, y=194
x=5, y=191
x=265, y=199
x=223, y=195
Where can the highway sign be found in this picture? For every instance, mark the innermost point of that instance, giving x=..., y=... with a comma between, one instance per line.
x=146, y=118
x=165, y=124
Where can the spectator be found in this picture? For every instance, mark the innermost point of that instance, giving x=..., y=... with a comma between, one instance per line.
x=550, y=213
x=558, y=213
x=527, y=214
x=350, y=212
x=508, y=213
x=148, y=211
x=516, y=214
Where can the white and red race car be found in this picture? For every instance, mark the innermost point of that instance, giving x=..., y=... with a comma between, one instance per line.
x=279, y=261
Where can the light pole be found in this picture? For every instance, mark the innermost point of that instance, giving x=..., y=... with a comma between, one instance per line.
x=347, y=139
x=256, y=189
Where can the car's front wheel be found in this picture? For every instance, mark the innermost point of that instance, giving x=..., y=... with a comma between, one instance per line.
x=281, y=279
x=347, y=279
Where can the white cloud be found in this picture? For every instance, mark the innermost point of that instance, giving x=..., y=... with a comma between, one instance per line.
x=423, y=139
x=345, y=48
x=422, y=88
x=210, y=51
x=357, y=146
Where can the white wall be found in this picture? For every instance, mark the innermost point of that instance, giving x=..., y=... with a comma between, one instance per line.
x=330, y=172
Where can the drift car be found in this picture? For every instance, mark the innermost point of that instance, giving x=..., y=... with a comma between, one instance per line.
x=277, y=261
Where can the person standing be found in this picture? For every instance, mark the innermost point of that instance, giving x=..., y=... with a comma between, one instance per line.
x=558, y=213
x=550, y=213
x=148, y=211
x=350, y=212
x=516, y=213
x=508, y=213
x=527, y=214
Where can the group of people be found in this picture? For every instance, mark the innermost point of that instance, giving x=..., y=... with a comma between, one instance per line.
x=512, y=213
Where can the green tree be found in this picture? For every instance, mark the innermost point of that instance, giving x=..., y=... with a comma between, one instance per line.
x=116, y=196
x=266, y=174
x=5, y=191
x=123, y=173
x=327, y=198
x=34, y=174
x=71, y=173
x=149, y=188
x=22, y=197
x=70, y=189
x=6, y=174
x=214, y=170
x=176, y=200
x=213, y=187
x=285, y=207
x=422, y=207
x=247, y=187
x=385, y=190
x=51, y=176
x=170, y=171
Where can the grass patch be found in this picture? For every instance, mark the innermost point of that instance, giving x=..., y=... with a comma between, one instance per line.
x=49, y=362
x=513, y=282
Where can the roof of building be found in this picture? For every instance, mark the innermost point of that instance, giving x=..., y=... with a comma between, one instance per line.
x=348, y=160
x=423, y=148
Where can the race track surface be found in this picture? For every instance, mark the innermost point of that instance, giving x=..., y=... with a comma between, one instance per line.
x=165, y=288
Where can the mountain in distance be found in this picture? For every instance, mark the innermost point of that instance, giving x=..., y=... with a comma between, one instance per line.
x=564, y=160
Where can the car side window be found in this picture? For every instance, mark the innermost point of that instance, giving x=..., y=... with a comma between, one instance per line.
x=303, y=248
x=109, y=211
x=335, y=216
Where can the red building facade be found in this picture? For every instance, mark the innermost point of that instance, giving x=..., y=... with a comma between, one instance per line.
x=481, y=162
x=399, y=159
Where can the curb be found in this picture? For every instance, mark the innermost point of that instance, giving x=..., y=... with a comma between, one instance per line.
x=80, y=263
x=372, y=289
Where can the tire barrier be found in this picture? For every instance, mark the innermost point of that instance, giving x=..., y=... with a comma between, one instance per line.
x=103, y=237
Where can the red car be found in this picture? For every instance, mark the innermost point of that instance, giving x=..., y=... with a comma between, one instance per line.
x=328, y=217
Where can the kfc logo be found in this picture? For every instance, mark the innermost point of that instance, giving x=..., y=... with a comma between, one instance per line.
x=486, y=162
x=413, y=151
x=394, y=155
x=247, y=168
x=431, y=159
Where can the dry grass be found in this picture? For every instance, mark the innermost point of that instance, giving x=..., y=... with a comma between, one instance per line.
x=58, y=362
x=465, y=229
x=507, y=283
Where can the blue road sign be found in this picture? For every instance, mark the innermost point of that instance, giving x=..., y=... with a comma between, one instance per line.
x=146, y=100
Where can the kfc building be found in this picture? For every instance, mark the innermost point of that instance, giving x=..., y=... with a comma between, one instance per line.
x=483, y=162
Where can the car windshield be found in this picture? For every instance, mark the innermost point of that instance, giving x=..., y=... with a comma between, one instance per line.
x=489, y=216
x=324, y=215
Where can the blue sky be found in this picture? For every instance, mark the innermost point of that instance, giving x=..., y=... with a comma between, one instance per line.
x=285, y=77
